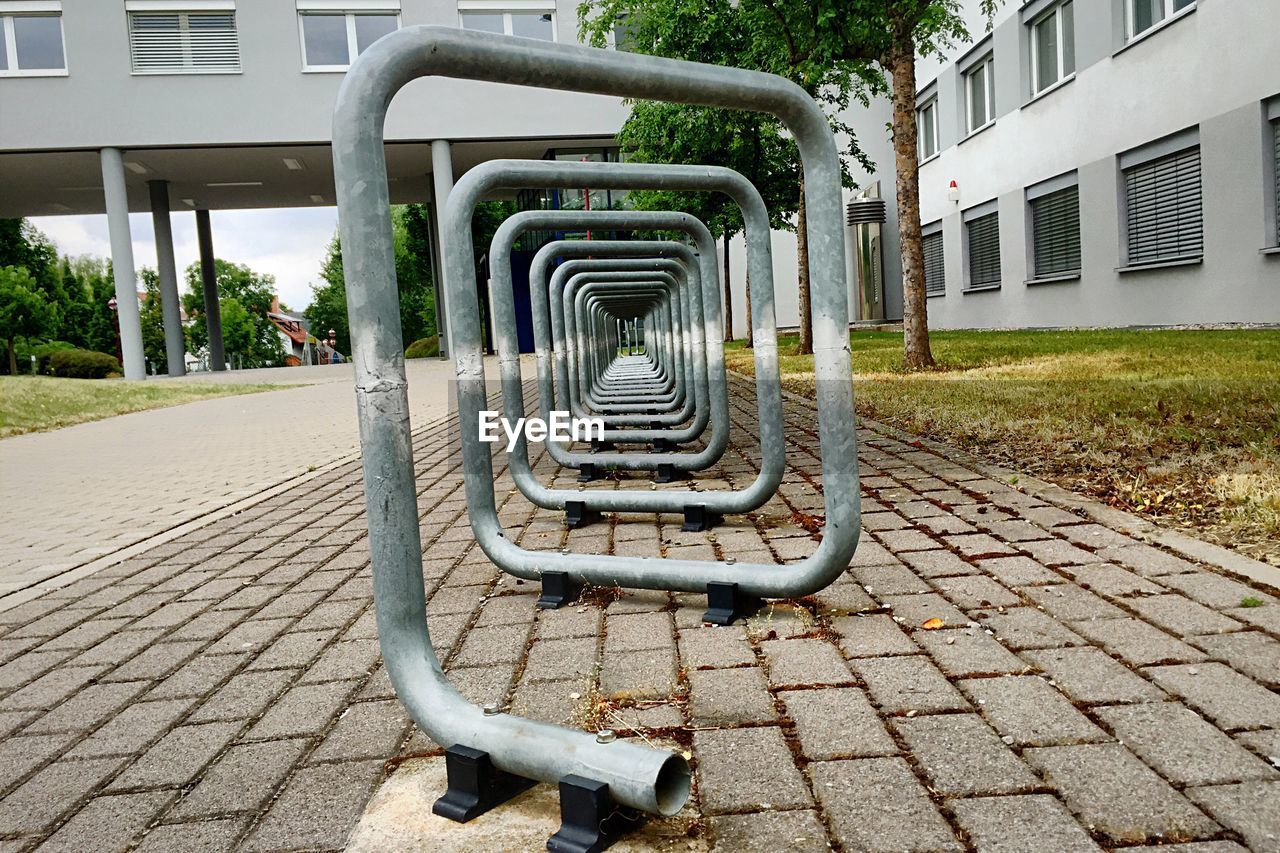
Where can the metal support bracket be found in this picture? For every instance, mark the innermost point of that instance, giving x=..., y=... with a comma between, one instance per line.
x=587, y=472
x=662, y=445
x=590, y=820
x=576, y=514
x=697, y=519
x=475, y=785
x=667, y=474
x=558, y=590
x=598, y=446
x=726, y=604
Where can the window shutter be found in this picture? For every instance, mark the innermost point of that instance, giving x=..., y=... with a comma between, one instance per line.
x=1163, y=209
x=984, y=250
x=1055, y=223
x=935, y=283
x=183, y=42
x=1275, y=135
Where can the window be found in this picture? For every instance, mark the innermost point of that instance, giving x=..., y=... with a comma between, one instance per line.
x=31, y=40
x=1275, y=140
x=178, y=42
x=1163, y=214
x=980, y=94
x=1055, y=227
x=927, y=129
x=1142, y=15
x=524, y=22
x=1053, y=47
x=331, y=40
x=982, y=246
x=935, y=279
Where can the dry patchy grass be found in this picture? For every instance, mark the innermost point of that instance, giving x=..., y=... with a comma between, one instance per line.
x=1180, y=426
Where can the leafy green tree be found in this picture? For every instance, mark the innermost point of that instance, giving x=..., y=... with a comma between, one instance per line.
x=77, y=319
x=328, y=308
x=239, y=333
x=750, y=143
x=151, y=313
x=414, y=277
x=253, y=293
x=837, y=50
x=743, y=34
x=24, y=313
x=23, y=245
x=411, y=234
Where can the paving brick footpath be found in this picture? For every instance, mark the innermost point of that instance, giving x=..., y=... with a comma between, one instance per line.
x=1086, y=688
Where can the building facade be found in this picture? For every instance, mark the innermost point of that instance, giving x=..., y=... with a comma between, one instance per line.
x=1093, y=163
x=1083, y=162
x=196, y=105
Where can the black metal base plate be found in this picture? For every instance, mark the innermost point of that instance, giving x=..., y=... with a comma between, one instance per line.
x=576, y=514
x=662, y=445
x=590, y=820
x=475, y=785
x=726, y=605
x=598, y=446
x=667, y=474
x=558, y=590
x=587, y=472
x=697, y=519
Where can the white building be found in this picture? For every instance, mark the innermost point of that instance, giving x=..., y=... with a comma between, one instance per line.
x=1114, y=162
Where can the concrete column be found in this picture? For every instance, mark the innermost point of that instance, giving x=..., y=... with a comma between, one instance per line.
x=208, y=275
x=442, y=185
x=117, y=203
x=175, y=347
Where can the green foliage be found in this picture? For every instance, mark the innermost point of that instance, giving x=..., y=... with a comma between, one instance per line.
x=423, y=348
x=41, y=352
x=411, y=233
x=250, y=339
x=24, y=312
x=82, y=364
x=750, y=143
x=151, y=313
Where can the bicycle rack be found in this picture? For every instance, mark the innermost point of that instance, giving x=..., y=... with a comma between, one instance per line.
x=617, y=772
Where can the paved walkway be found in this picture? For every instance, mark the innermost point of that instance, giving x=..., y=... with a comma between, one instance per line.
x=76, y=494
x=223, y=690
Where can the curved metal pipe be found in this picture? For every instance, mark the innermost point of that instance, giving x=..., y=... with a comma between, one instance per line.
x=649, y=780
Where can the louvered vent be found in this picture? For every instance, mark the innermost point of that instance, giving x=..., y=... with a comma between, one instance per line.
x=935, y=279
x=984, y=250
x=1163, y=209
x=1275, y=133
x=184, y=42
x=1055, y=224
x=865, y=211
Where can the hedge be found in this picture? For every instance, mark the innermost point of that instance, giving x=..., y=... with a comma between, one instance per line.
x=82, y=364
x=423, y=348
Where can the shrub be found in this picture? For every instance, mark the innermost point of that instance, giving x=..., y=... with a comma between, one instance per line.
x=423, y=348
x=44, y=352
x=82, y=364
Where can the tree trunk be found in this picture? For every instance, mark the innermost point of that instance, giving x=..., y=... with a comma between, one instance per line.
x=728, y=294
x=915, y=317
x=802, y=276
x=13, y=359
x=751, y=334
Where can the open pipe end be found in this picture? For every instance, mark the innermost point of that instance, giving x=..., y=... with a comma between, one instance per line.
x=671, y=788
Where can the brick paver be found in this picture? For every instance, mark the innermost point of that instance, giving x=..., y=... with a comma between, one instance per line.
x=223, y=690
x=77, y=494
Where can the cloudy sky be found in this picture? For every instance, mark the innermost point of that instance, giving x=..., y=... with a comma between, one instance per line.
x=288, y=244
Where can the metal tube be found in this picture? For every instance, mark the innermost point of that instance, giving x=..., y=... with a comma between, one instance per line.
x=650, y=780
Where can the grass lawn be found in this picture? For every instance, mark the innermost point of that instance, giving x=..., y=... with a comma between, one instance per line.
x=1179, y=426
x=38, y=403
